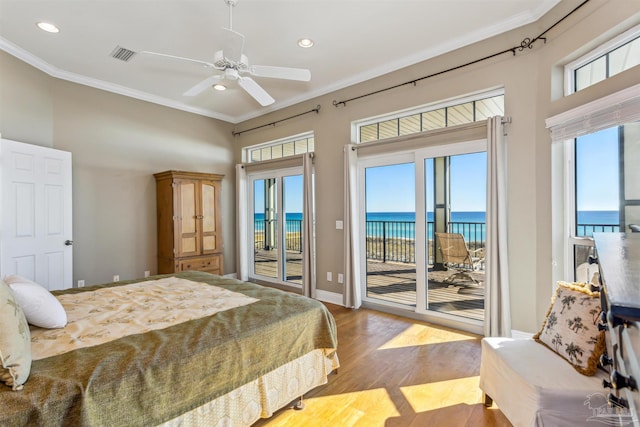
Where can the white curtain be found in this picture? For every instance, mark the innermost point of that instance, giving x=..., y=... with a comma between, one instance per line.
x=242, y=257
x=352, y=295
x=308, y=234
x=497, y=307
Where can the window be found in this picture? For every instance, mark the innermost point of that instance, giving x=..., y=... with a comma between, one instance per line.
x=281, y=148
x=597, y=191
x=457, y=112
x=614, y=57
x=596, y=155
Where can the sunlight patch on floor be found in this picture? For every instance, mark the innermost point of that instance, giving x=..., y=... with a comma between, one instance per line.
x=427, y=397
x=417, y=334
x=360, y=408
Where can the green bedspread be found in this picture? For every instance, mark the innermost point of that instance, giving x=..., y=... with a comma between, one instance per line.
x=150, y=378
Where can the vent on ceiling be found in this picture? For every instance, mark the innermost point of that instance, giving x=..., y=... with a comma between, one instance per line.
x=122, y=54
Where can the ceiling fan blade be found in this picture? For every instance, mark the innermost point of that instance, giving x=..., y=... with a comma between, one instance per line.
x=203, y=85
x=179, y=58
x=232, y=44
x=254, y=89
x=300, y=74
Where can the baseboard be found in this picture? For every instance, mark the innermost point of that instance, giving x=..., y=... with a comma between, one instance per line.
x=330, y=297
x=230, y=276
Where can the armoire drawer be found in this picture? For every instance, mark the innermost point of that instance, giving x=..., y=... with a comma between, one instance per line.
x=211, y=264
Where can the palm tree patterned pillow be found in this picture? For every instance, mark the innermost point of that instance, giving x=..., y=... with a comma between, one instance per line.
x=15, y=341
x=570, y=328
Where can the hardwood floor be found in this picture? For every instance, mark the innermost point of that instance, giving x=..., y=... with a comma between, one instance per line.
x=396, y=372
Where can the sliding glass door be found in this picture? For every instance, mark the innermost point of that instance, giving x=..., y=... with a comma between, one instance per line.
x=411, y=202
x=390, y=233
x=276, y=226
x=455, y=197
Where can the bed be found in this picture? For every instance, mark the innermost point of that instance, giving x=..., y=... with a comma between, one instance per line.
x=214, y=351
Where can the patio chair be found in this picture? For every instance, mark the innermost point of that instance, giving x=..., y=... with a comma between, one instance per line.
x=457, y=256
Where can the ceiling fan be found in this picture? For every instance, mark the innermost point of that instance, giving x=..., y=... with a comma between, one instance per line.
x=235, y=65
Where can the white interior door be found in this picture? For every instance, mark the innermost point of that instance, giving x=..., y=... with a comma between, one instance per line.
x=36, y=233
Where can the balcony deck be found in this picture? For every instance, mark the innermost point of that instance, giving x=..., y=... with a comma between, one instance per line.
x=396, y=282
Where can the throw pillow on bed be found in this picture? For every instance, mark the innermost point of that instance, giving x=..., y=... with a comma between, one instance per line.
x=570, y=328
x=15, y=341
x=40, y=307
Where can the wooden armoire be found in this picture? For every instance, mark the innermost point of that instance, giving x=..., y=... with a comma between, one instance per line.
x=189, y=222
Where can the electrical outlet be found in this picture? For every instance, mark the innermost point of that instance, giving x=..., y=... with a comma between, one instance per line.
x=340, y=278
x=329, y=276
x=147, y=273
x=81, y=283
x=116, y=277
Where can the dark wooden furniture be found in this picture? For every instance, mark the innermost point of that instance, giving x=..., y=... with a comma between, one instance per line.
x=619, y=263
x=189, y=222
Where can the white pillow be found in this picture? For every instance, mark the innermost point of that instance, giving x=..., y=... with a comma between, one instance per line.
x=40, y=307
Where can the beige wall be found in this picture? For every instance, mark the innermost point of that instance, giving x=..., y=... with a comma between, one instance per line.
x=117, y=144
x=529, y=79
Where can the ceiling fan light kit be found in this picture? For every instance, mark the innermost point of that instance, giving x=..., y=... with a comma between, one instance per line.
x=234, y=64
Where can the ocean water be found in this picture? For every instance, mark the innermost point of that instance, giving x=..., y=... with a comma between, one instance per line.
x=470, y=224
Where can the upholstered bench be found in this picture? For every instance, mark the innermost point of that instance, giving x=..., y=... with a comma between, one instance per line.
x=533, y=386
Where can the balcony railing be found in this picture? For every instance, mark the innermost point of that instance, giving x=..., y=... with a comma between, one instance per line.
x=395, y=240
x=293, y=234
x=587, y=230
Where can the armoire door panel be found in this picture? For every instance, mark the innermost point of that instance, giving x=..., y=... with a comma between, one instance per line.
x=188, y=217
x=210, y=220
x=189, y=244
x=208, y=207
x=208, y=243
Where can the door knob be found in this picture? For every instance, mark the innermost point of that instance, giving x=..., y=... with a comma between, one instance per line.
x=68, y=242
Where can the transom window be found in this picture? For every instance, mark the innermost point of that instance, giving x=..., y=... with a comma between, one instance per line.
x=609, y=59
x=286, y=147
x=425, y=118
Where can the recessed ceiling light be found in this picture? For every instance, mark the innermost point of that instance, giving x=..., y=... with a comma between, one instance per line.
x=306, y=43
x=48, y=27
x=219, y=86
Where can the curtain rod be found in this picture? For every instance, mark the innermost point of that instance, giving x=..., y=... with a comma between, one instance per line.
x=526, y=43
x=315, y=110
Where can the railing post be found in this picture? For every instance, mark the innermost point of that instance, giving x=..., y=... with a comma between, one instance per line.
x=384, y=241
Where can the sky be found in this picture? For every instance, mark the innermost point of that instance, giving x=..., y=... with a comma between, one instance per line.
x=392, y=188
x=597, y=171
